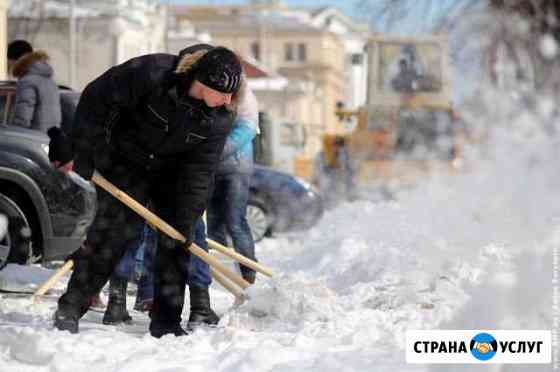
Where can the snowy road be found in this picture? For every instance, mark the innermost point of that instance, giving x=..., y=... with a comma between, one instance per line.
x=467, y=251
x=345, y=295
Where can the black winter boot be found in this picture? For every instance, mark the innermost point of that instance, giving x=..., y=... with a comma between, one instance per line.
x=201, y=313
x=65, y=322
x=159, y=329
x=116, y=312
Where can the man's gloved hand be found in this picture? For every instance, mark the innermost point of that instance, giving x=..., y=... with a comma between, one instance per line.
x=60, y=149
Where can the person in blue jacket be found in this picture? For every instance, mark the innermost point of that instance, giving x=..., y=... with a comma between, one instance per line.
x=227, y=208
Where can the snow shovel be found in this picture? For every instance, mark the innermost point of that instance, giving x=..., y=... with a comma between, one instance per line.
x=239, y=258
x=216, y=266
x=239, y=295
x=164, y=227
x=50, y=282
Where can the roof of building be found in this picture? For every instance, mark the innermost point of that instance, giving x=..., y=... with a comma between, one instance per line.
x=137, y=11
x=239, y=22
x=224, y=18
x=260, y=79
x=252, y=71
x=351, y=23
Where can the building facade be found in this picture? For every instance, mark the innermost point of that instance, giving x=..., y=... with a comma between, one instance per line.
x=311, y=57
x=104, y=34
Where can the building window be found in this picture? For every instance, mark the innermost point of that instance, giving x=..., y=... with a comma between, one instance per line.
x=292, y=134
x=302, y=52
x=295, y=52
x=357, y=59
x=289, y=52
x=256, y=50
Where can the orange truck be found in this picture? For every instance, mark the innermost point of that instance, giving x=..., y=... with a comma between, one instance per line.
x=407, y=125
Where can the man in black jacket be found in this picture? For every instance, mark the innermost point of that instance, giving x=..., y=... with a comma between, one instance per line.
x=154, y=126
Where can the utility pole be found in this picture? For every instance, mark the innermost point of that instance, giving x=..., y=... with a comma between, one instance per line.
x=72, y=63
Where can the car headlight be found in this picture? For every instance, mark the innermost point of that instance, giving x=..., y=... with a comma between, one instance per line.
x=45, y=148
x=306, y=185
x=310, y=188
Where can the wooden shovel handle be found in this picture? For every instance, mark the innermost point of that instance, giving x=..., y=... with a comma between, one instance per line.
x=238, y=293
x=164, y=227
x=239, y=258
x=53, y=279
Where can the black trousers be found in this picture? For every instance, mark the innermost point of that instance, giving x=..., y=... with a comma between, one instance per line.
x=115, y=228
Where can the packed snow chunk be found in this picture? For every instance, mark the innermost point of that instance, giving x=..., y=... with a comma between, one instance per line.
x=26, y=345
x=286, y=302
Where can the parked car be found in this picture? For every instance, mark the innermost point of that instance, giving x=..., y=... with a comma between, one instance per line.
x=279, y=202
x=48, y=211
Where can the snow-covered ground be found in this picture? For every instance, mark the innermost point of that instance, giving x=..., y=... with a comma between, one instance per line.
x=467, y=251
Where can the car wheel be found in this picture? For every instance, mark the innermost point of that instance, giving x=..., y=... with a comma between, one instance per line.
x=15, y=245
x=258, y=220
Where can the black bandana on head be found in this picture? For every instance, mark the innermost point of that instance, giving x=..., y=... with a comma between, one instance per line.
x=220, y=69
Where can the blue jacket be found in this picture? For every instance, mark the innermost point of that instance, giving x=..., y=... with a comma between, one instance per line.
x=237, y=156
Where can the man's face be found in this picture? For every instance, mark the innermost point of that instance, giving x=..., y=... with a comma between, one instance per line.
x=215, y=98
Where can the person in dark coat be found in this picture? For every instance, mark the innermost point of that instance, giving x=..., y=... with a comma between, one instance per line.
x=154, y=126
x=37, y=99
x=227, y=209
x=199, y=278
x=225, y=212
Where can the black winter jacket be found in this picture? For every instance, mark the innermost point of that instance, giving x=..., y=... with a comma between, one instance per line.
x=136, y=113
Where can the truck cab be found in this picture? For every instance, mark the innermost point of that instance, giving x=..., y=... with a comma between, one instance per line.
x=408, y=124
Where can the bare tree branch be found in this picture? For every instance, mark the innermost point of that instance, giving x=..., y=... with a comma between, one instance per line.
x=391, y=12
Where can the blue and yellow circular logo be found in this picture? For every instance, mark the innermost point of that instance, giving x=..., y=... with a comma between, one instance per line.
x=483, y=346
